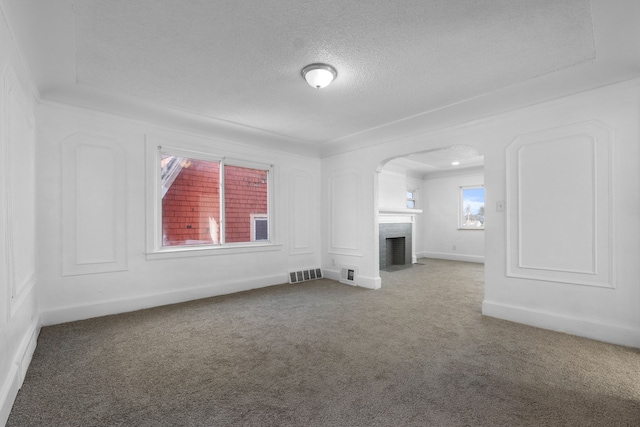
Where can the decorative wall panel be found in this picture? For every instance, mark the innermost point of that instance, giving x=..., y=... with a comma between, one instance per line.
x=559, y=223
x=345, y=201
x=18, y=165
x=301, y=219
x=94, y=205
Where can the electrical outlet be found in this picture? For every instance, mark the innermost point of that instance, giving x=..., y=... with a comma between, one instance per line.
x=453, y=247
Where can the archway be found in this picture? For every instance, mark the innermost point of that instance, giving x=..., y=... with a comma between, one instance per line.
x=421, y=199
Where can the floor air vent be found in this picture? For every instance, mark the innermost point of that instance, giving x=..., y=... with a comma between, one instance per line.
x=304, y=275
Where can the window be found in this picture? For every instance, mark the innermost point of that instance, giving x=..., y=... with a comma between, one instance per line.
x=411, y=199
x=471, y=208
x=209, y=201
x=259, y=227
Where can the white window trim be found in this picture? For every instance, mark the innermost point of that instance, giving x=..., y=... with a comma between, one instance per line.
x=413, y=199
x=154, y=148
x=461, y=207
x=255, y=216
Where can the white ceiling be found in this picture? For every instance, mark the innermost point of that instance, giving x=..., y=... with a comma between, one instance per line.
x=439, y=162
x=233, y=67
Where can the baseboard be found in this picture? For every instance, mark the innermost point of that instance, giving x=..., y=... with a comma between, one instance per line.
x=105, y=308
x=362, y=281
x=8, y=393
x=452, y=257
x=13, y=382
x=575, y=326
x=370, y=282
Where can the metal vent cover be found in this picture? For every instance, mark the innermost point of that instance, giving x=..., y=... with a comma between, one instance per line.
x=305, y=275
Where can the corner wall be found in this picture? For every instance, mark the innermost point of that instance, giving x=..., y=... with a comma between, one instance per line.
x=19, y=318
x=591, y=290
x=88, y=273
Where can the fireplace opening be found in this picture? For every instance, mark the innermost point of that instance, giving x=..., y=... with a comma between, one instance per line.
x=396, y=254
x=395, y=245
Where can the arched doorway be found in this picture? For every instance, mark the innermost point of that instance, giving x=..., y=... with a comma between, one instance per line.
x=431, y=204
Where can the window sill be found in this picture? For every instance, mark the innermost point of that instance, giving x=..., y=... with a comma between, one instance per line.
x=470, y=229
x=211, y=251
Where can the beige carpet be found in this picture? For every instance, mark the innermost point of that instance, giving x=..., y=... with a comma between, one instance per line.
x=415, y=353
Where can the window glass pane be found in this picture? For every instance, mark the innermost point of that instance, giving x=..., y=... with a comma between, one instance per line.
x=411, y=203
x=245, y=193
x=472, y=215
x=262, y=229
x=190, y=201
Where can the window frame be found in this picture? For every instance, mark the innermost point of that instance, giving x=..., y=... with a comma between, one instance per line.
x=461, y=189
x=411, y=199
x=253, y=218
x=155, y=148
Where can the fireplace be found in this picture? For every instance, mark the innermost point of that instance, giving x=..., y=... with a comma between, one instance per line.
x=396, y=251
x=395, y=244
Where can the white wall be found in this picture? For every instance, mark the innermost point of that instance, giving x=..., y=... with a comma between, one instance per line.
x=81, y=279
x=19, y=319
x=440, y=197
x=599, y=299
x=392, y=189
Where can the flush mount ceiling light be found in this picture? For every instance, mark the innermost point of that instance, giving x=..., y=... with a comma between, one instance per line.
x=319, y=75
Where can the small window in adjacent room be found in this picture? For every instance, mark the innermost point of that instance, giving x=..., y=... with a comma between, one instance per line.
x=411, y=199
x=471, y=208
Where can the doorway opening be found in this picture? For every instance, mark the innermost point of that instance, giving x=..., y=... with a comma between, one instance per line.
x=422, y=198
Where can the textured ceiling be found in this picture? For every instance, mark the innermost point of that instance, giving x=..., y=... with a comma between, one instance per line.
x=240, y=61
x=232, y=68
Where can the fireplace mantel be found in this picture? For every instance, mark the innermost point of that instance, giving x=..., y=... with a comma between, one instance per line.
x=401, y=211
x=397, y=215
x=387, y=217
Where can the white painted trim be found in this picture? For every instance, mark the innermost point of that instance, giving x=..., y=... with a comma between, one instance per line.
x=370, y=282
x=15, y=378
x=230, y=248
x=80, y=312
x=8, y=393
x=191, y=126
x=27, y=348
x=363, y=281
x=18, y=289
x=154, y=147
x=434, y=129
x=70, y=149
x=331, y=274
x=9, y=19
x=567, y=324
x=603, y=273
x=453, y=257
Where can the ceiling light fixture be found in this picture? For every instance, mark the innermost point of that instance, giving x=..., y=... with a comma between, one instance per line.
x=455, y=163
x=319, y=75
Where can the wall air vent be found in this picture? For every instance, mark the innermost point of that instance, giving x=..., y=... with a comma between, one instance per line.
x=349, y=275
x=305, y=275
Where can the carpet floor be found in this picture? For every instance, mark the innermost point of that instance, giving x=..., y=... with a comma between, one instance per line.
x=417, y=352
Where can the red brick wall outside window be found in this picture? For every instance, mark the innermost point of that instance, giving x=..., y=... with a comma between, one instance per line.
x=245, y=194
x=191, y=205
